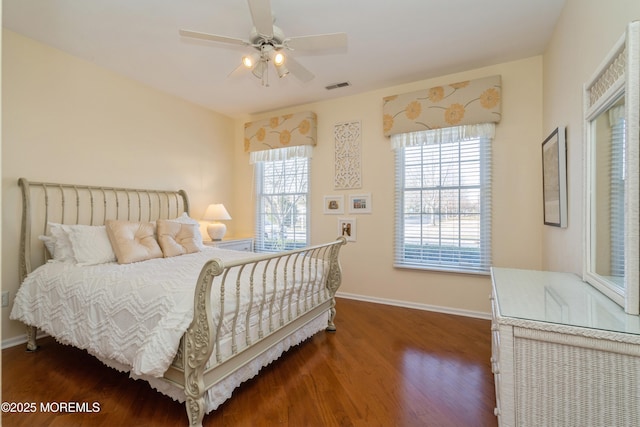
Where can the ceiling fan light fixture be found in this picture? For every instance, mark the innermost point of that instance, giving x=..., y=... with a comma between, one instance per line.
x=278, y=59
x=271, y=44
x=259, y=69
x=250, y=61
x=282, y=71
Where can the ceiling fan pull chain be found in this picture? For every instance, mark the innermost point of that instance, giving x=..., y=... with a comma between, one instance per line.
x=265, y=75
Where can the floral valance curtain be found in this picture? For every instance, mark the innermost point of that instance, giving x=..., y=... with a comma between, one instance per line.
x=281, y=137
x=463, y=103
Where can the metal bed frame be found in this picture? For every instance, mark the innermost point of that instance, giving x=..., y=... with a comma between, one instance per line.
x=194, y=369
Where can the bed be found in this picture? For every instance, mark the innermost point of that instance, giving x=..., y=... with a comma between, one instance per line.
x=123, y=274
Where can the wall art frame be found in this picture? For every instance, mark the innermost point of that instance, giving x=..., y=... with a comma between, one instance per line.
x=348, y=155
x=360, y=203
x=333, y=205
x=554, y=178
x=347, y=229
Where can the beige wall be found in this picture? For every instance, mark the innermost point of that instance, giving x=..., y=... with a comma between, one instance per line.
x=67, y=120
x=584, y=34
x=368, y=263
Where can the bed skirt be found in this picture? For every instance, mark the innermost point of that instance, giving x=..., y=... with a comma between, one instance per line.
x=217, y=395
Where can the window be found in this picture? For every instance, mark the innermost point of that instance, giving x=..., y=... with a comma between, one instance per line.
x=282, y=220
x=443, y=201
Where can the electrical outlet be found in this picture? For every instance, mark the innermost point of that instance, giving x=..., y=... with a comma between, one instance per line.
x=5, y=299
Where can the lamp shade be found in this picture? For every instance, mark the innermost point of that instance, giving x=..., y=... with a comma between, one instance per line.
x=216, y=212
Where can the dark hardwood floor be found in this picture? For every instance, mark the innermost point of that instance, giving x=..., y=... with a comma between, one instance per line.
x=385, y=366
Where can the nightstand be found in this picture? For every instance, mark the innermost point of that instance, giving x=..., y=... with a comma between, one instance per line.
x=237, y=244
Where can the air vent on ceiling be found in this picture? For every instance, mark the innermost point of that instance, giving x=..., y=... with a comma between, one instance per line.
x=337, y=85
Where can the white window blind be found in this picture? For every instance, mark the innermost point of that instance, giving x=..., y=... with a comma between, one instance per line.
x=443, y=199
x=617, y=186
x=282, y=205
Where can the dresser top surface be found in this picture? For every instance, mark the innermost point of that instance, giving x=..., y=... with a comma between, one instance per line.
x=559, y=298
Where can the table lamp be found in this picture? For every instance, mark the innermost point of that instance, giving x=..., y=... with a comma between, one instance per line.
x=216, y=212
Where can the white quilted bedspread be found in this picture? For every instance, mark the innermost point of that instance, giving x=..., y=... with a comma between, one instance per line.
x=134, y=314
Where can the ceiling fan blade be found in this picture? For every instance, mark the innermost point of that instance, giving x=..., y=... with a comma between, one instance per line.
x=213, y=37
x=316, y=42
x=262, y=17
x=299, y=71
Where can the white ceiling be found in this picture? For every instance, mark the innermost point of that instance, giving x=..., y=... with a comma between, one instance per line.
x=389, y=42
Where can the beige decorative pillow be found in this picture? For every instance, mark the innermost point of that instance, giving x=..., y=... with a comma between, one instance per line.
x=176, y=238
x=133, y=241
x=186, y=219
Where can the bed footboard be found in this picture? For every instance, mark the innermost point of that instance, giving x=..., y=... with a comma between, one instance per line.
x=284, y=292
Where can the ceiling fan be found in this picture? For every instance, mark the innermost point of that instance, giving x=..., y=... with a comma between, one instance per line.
x=271, y=45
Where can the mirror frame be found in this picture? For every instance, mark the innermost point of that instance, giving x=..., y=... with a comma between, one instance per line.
x=618, y=75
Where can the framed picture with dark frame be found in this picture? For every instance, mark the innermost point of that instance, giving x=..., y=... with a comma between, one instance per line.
x=554, y=178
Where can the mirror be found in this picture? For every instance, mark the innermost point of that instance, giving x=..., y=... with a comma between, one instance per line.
x=608, y=210
x=611, y=100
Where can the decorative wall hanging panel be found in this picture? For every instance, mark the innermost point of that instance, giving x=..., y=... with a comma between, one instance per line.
x=463, y=103
x=348, y=157
x=284, y=131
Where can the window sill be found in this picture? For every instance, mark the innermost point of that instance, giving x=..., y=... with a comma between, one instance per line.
x=441, y=269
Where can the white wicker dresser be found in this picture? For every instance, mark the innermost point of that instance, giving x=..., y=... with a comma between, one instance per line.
x=563, y=354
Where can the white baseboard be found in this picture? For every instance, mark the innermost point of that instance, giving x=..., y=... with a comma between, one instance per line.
x=425, y=307
x=20, y=339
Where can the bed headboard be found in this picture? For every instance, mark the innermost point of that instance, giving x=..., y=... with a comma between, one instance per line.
x=85, y=204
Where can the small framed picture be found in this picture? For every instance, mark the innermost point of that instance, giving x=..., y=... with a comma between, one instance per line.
x=360, y=203
x=347, y=228
x=334, y=204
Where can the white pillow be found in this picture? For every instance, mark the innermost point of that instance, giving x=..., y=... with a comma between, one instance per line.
x=90, y=244
x=62, y=250
x=50, y=244
x=186, y=219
